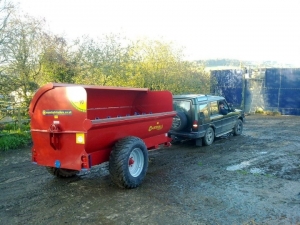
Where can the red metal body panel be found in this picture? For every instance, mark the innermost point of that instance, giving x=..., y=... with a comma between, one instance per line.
x=73, y=122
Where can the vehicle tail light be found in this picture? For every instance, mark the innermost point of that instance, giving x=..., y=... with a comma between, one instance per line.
x=195, y=125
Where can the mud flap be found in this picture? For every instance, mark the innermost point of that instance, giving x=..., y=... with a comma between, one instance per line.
x=198, y=142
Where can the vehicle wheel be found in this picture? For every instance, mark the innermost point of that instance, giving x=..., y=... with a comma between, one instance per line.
x=209, y=137
x=179, y=121
x=238, y=128
x=128, y=162
x=63, y=173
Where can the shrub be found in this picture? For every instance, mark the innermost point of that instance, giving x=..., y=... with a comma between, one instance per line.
x=9, y=126
x=14, y=141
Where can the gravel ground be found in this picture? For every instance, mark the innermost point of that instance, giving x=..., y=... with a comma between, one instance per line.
x=250, y=179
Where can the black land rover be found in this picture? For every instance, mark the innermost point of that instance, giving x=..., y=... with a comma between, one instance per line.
x=204, y=117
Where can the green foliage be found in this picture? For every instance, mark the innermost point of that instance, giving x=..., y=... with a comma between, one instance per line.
x=56, y=62
x=102, y=61
x=35, y=57
x=9, y=126
x=22, y=50
x=14, y=141
x=157, y=65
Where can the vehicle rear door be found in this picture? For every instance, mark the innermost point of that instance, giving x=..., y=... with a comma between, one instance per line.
x=184, y=106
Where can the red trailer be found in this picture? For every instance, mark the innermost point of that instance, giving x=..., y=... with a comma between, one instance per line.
x=75, y=127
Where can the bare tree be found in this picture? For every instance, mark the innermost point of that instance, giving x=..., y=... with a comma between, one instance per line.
x=56, y=60
x=6, y=8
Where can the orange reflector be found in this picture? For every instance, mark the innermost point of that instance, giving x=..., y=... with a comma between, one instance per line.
x=80, y=138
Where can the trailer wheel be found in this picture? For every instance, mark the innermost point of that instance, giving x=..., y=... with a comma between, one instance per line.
x=63, y=173
x=128, y=162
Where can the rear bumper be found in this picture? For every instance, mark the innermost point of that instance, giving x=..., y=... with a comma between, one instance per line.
x=185, y=135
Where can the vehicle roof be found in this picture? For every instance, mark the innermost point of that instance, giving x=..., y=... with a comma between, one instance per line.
x=200, y=97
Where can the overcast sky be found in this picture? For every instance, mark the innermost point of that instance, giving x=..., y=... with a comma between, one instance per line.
x=240, y=29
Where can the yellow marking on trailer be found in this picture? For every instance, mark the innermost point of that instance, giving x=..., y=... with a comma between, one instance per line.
x=77, y=96
x=156, y=127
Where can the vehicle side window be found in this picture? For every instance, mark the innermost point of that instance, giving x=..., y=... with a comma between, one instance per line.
x=203, y=109
x=214, y=109
x=203, y=113
x=223, y=107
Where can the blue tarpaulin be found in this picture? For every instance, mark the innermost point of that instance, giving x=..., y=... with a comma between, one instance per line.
x=278, y=90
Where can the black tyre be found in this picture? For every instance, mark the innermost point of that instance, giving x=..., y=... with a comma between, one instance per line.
x=128, y=162
x=209, y=136
x=238, y=128
x=63, y=173
x=179, y=121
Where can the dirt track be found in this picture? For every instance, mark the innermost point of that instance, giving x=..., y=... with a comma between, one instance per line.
x=250, y=179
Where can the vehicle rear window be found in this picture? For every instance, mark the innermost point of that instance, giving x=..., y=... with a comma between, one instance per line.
x=181, y=105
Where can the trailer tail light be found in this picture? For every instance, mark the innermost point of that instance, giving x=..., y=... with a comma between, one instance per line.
x=34, y=154
x=84, y=162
